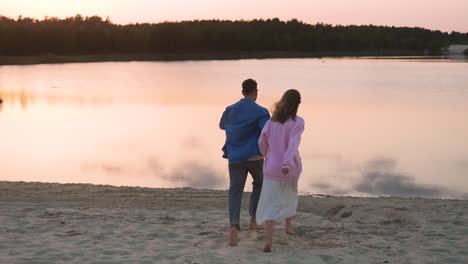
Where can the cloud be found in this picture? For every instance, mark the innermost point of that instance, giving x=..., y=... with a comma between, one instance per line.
x=192, y=174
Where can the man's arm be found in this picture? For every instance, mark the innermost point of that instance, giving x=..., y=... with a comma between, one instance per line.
x=223, y=120
x=263, y=119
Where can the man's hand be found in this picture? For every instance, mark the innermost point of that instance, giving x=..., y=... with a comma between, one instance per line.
x=285, y=171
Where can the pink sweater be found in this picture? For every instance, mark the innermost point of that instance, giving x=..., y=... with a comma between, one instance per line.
x=279, y=145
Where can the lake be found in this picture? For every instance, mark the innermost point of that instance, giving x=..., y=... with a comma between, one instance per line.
x=373, y=126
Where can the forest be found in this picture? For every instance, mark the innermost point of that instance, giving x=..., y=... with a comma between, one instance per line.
x=81, y=35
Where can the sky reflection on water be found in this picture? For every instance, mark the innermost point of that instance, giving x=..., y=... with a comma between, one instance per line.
x=156, y=124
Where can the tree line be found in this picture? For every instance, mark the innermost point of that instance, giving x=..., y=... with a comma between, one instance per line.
x=94, y=35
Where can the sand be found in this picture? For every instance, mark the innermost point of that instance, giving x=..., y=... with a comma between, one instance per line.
x=83, y=223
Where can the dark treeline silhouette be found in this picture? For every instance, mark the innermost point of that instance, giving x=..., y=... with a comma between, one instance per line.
x=80, y=35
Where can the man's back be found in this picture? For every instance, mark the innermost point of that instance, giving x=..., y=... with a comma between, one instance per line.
x=243, y=122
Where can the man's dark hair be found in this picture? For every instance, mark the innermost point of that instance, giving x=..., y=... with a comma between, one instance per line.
x=249, y=86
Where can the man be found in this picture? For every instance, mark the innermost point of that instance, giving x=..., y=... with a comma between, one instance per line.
x=243, y=122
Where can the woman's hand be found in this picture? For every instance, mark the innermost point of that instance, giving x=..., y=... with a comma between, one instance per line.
x=285, y=171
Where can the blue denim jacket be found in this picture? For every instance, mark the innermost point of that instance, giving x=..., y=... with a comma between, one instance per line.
x=243, y=122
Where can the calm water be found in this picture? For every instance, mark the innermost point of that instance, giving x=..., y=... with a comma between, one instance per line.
x=373, y=127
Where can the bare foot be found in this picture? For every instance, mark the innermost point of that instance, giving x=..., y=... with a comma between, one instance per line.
x=232, y=237
x=290, y=231
x=267, y=248
x=254, y=226
x=288, y=227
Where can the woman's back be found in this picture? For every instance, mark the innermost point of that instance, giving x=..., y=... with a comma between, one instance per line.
x=279, y=145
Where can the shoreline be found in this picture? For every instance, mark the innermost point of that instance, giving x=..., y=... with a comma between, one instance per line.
x=85, y=223
x=57, y=188
x=54, y=58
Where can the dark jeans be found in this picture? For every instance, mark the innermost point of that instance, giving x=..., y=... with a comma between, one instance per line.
x=238, y=175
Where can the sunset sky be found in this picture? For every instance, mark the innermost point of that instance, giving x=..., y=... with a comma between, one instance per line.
x=445, y=15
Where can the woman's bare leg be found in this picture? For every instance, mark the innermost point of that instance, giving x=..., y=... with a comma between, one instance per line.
x=270, y=226
x=289, y=229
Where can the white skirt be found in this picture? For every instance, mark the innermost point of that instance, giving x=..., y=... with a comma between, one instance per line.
x=278, y=200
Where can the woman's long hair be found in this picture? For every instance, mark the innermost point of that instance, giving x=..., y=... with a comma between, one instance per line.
x=286, y=107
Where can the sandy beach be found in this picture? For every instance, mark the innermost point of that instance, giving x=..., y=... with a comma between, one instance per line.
x=83, y=223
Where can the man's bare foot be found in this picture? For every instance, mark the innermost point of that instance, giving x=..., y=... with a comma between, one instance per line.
x=233, y=237
x=267, y=248
x=290, y=231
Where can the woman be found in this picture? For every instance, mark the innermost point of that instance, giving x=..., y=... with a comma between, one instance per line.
x=278, y=143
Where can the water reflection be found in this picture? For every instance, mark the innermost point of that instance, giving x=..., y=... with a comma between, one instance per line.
x=26, y=98
x=381, y=176
x=182, y=174
x=454, y=58
x=193, y=174
x=106, y=168
x=158, y=129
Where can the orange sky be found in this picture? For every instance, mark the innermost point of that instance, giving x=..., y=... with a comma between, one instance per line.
x=445, y=15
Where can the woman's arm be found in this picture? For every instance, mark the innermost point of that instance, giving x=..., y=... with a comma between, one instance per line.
x=262, y=141
x=293, y=145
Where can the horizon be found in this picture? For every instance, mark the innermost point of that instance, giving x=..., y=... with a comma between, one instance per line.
x=445, y=16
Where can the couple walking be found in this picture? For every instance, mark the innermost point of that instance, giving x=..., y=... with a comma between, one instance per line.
x=268, y=150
